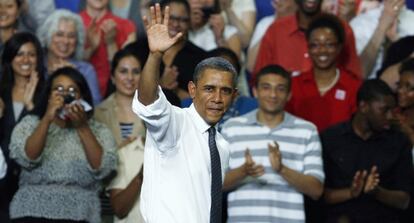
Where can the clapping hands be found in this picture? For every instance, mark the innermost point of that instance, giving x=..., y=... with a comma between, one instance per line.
x=364, y=182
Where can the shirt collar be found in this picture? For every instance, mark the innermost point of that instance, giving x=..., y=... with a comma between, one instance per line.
x=201, y=125
x=288, y=119
x=293, y=25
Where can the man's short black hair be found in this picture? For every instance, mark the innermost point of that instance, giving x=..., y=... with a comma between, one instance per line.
x=373, y=90
x=274, y=69
x=407, y=66
x=329, y=21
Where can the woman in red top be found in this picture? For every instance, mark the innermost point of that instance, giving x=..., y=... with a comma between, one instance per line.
x=326, y=94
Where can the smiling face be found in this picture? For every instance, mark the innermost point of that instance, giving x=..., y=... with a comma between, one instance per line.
x=24, y=63
x=63, y=42
x=272, y=93
x=179, y=19
x=406, y=90
x=9, y=12
x=323, y=48
x=126, y=75
x=212, y=94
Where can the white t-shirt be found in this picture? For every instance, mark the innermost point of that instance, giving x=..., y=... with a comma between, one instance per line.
x=204, y=37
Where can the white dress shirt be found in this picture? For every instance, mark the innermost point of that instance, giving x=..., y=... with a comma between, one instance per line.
x=364, y=26
x=3, y=166
x=177, y=173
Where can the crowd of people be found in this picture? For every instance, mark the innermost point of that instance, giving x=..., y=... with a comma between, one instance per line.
x=317, y=112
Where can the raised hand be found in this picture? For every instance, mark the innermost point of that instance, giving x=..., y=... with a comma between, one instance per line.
x=29, y=91
x=159, y=39
x=169, y=78
x=217, y=25
x=275, y=157
x=358, y=183
x=390, y=13
x=109, y=31
x=372, y=181
x=250, y=168
x=93, y=35
x=55, y=103
x=225, y=4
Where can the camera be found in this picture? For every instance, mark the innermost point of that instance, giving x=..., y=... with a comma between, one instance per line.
x=68, y=98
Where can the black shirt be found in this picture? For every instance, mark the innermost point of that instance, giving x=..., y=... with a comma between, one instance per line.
x=344, y=153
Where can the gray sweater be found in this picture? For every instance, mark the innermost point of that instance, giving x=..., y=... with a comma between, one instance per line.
x=60, y=184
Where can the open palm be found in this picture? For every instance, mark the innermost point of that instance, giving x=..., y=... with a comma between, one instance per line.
x=159, y=39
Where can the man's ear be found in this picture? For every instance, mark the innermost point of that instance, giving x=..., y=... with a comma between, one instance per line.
x=254, y=90
x=192, y=89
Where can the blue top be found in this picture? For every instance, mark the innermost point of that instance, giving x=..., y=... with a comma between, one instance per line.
x=264, y=8
x=72, y=5
x=89, y=74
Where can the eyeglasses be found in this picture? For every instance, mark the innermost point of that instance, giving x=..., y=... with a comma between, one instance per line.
x=179, y=19
x=328, y=46
x=72, y=91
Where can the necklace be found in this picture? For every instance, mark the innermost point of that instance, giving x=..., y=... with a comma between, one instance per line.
x=327, y=88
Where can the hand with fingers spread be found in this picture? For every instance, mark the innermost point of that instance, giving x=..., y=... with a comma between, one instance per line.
x=159, y=39
x=250, y=168
x=169, y=78
x=55, y=103
x=29, y=91
x=77, y=115
x=108, y=27
x=358, y=183
x=275, y=157
x=372, y=181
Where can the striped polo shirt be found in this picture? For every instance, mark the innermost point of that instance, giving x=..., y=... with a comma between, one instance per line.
x=270, y=198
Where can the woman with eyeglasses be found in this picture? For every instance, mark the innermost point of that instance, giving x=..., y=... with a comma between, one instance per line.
x=326, y=94
x=64, y=154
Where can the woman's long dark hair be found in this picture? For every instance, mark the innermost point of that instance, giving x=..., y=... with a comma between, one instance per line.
x=11, y=48
x=75, y=76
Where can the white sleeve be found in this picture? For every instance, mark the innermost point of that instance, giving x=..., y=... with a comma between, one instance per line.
x=161, y=120
x=364, y=26
x=3, y=166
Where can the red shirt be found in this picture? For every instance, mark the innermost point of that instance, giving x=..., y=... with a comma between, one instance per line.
x=99, y=59
x=285, y=44
x=335, y=106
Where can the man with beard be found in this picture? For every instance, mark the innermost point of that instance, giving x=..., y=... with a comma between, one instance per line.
x=285, y=43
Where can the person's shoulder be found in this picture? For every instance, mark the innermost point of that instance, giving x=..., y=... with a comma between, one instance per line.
x=107, y=104
x=240, y=121
x=336, y=130
x=300, y=123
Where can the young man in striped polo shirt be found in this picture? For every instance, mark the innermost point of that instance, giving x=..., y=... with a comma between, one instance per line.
x=275, y=157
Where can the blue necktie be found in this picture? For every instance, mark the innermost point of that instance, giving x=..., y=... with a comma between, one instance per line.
x=216, y=180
